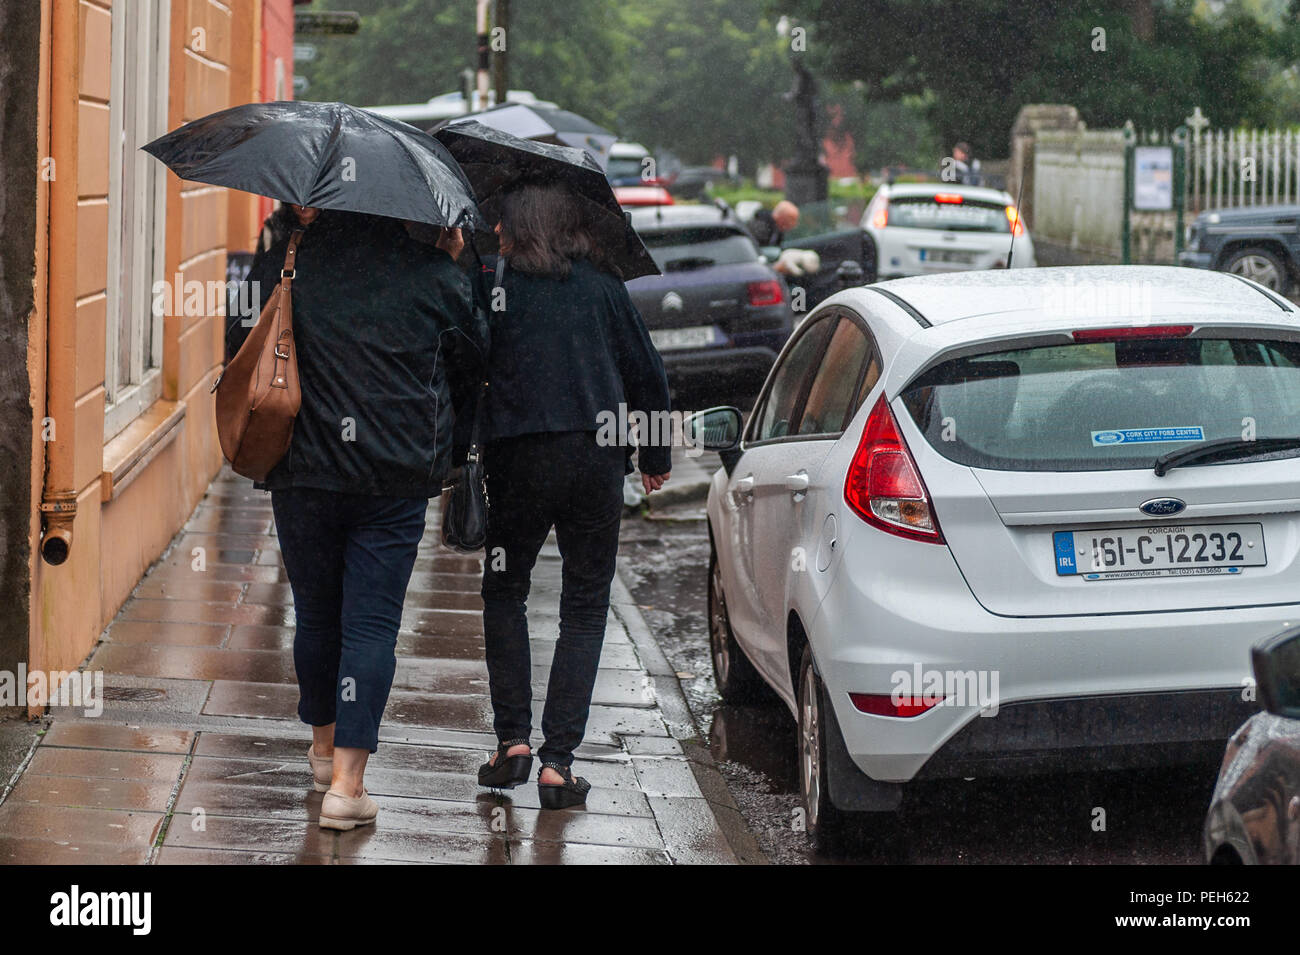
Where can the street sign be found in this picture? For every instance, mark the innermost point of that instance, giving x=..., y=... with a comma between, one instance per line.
x=326, y=22
x=1153, y=178
x=304, y=52
x=300, y=84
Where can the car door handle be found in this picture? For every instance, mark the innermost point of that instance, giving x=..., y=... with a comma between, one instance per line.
x=797, y=482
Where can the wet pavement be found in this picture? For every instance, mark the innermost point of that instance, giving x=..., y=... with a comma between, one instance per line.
x=1149, y=817
x=199, y=757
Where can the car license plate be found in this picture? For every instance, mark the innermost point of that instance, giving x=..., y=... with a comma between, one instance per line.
x=696, y=336
x=1172, y=550
x=947, y=255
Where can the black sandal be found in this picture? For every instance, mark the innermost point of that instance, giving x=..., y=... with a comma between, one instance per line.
x=508, y=771
x=572, y=792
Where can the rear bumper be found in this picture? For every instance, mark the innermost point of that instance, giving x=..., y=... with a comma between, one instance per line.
x=1196, y=260
x=749, y=358
x=1126, y=731
x=1033, y=694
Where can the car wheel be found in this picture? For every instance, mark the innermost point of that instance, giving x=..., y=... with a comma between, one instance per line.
x=737, y=680
x=1259, y=265
x=825, y=824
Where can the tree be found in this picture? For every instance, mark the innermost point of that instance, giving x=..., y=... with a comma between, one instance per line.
x=981, y=60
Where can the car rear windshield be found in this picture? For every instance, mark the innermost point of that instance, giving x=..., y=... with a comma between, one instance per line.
x=926, y=212
x=1100, y=406
x=624, y=168
x=680, y=249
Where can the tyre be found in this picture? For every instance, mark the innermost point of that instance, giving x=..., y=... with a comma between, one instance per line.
x=828, y=828
x=1259, y=265
x=737, y=680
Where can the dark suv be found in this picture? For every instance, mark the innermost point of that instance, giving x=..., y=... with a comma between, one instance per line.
x=1256, y=242
x=718, y=311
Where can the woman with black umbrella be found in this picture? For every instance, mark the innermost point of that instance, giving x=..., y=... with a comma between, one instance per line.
x=568, y=351
x=384, y=340
x=386, y=343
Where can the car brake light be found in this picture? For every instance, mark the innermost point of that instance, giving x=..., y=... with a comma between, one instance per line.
x=1118, y=334
x=881, y=218
x=883, y=704
x=766, y=292
x=952, y=198
x=1017, y=224
x=883, y=486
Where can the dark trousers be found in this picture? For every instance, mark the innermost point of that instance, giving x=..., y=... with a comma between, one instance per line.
x=349, y=558
x=535, y=482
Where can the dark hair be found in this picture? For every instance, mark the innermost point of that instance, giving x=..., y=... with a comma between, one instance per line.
x=546, y=229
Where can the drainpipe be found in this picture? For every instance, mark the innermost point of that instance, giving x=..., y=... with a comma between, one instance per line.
x=59, y=498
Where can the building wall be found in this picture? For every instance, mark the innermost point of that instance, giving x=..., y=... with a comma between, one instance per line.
x=135, y=491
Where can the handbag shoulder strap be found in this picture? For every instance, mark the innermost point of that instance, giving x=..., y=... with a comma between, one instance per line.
x=476, y=430
x=290, y=257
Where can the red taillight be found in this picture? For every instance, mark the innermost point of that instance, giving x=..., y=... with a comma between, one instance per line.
x=1130, y=332
x=883, y=486
x=766, y=292
x=883, y=704
x=1017, y=224
x=952, y=198
x=881, y=218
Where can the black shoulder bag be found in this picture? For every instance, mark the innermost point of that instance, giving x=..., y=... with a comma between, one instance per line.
x=464, y=498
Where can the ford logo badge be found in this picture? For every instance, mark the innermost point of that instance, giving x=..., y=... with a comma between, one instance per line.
x=1162, y=506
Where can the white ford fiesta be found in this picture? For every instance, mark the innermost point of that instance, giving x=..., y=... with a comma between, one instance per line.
x=924, y=228
x=1007, y=522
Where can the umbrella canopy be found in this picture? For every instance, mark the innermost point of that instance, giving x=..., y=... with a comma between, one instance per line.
x=547, y=124
x=326, y=155
x=494, y=160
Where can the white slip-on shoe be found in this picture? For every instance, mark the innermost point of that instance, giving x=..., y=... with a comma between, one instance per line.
x=338, y=811
x=322, y=770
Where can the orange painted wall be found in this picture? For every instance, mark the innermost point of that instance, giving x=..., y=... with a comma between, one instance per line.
x=116, y=540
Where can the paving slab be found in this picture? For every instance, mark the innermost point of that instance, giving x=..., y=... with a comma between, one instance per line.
x=199, y=759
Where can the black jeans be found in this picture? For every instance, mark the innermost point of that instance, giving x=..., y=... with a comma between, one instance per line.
x=349, y=558
x=565, y=480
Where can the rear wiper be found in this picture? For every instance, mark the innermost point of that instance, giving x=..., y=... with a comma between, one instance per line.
x=1222, y=448
x=686, y=264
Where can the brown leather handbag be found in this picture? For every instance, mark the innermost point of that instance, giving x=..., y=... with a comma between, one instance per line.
x=259, y=394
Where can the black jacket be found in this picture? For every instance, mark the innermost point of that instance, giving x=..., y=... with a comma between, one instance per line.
x=387, y=342
x=573, y=354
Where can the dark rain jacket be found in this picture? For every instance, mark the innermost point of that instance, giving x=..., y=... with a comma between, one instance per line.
x=387, y=345
x=573, y=354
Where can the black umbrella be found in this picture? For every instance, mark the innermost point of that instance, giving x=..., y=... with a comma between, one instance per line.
x=326, y=155
x=494, y=160
x=549, y=124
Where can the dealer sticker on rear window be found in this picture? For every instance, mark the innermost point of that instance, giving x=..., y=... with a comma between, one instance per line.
x=1147, y=436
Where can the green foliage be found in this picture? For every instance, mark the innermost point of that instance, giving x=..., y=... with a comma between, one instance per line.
x=979, y=61
x=573, y=53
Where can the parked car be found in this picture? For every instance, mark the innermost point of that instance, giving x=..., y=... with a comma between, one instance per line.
x=627, y=165
x=924, y=228
x=1261, y=243
x=980, y=524
x=693, y=182
x=1254, y=816
x=719, y=311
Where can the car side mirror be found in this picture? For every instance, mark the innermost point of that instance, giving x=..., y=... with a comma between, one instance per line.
x=1276, y=662
x=850, y=273
x=715, y=429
